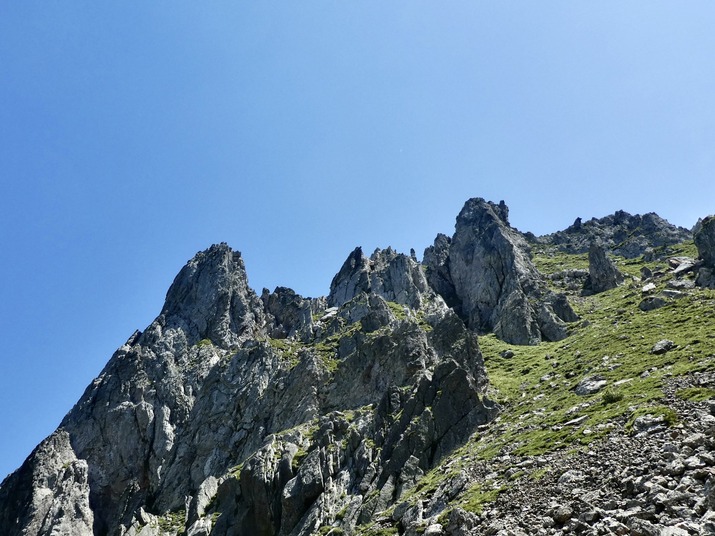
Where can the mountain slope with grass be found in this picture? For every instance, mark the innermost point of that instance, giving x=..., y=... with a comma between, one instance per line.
x=490, y=389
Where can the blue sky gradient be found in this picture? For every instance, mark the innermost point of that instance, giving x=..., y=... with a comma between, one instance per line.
x=133, y=135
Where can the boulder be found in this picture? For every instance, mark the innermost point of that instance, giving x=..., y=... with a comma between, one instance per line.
x=590, y=385
x=651, y=303
x=663, y=346
x=602, y=272
x=705, y=242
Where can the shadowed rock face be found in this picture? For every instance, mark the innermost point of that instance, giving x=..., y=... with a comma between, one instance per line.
x=492, y=278
x=705, y=242
x=375, y=394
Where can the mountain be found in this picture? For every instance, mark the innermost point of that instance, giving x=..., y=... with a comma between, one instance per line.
x=506, y=385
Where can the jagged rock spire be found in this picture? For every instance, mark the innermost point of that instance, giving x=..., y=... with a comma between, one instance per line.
x=210, y=299
x=485, y=270
x=394, y=276
x=602, y=272
x=705, y=242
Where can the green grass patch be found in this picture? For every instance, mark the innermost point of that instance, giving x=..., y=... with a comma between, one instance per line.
x=614, y=340
x=172, y=521
x=696, y=394
x=549, y=260
x=475, y=498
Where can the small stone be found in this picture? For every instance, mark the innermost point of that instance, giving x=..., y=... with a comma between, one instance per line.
x=647, y=289
x=651, y=303
x=571, y=476
x=561, y=514
x=694, y=462
x=590, y=385
x=577, y=422
x=649, y=424
x=662, y=347
x=695, y=440
x=675, y=468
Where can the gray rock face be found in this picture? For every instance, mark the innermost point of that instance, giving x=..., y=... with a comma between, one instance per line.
x=622, y=233
x=232, y=414
x=493, y=279
x=124, y=427
x=289, y=314
x=705, y=242
x=210, y=299
x=602, y=272
x=394, y=276
x=51, y=483
x=436, y=262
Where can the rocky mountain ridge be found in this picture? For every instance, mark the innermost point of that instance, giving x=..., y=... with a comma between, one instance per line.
x=370, y=411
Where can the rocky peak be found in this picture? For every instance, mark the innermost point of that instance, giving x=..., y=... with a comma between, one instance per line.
x=394, y=276
x=622, y=233
x=210, y=299
x=486, y=268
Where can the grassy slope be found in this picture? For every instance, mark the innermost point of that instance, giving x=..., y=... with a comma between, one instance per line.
x=535, y=387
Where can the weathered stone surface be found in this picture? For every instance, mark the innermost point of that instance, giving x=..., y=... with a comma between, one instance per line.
x=394, y=276
x=602, y=272
x=280, y=416
x=211, y=409
x=49, y=485
x=705, y=242
x=289, y=314
x=590, y=385
x=622, y=233
x=495, y=283
x=651, y=303
x=662, y=347
x=436, y=263
x=210, y=299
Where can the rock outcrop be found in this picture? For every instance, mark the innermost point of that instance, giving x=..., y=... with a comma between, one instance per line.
x=49, y=493
x=485, y=268
x=366, y=412
x=602, y=272
x=623, y=234
x=394, y=276
x=705, y=242
x=234, y=414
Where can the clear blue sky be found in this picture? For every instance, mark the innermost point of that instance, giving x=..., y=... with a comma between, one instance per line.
x=133, y=134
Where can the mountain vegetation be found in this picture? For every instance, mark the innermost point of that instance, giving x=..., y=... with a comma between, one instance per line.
x=508, y=384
